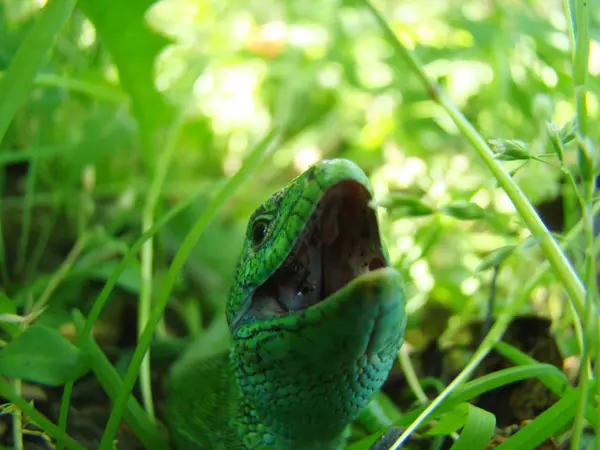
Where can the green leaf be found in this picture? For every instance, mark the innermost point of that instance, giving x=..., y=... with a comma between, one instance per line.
x=111, y=382
x=129, y=279
x=7, y=306
x=35, y=417
x=478, y=429
x=42, y=355
x=545, y=425
x=555, y=140
x=134, y=47
x=495, y=258
x=451, y=421
x=18, y=78
x=403, y=205
x=8, y=318
x=464, y=210
x=510, y=149
x=557, y=382
x=486, y=383
x=478, y=426
x=568, y=131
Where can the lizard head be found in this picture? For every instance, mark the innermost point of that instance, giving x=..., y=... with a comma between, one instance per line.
x=316, y=313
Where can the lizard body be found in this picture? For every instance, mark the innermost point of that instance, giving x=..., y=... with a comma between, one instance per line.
x=316, y=317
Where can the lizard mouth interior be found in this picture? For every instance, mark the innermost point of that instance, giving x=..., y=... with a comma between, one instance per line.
x=339, y=243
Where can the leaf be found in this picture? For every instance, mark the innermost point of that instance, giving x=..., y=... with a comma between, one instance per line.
x=403, y=205
x=111, y=382
x=464, y=210
x=380, y=440
x=555, y=140
x=451, y=421
x=568, y=131
x=478, y=429
x=495, y=258
x=544, y=425
x=487, y=383
x=7, y=306
x=557, y=383
x=9, y=319
x=129, y=279
x=121, y=27
x=18, y=78
x=42, y=355
x=510, y=149
x=500, y=378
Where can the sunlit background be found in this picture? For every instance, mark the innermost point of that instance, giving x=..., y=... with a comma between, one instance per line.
x=323, y=72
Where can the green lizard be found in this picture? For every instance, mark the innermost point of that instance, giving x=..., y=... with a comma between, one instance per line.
x=316, y=317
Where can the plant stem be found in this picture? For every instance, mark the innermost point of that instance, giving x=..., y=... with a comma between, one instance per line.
x=17, y=420
x=64, y=412
x=586, y=162
x=580, y=62
x=61, y=273
x=147, y=253
x=27, y=213
x=557, y=258
x=411, y=376
x=7, y=390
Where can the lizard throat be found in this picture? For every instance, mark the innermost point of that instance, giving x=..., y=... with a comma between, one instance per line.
x=339, y=243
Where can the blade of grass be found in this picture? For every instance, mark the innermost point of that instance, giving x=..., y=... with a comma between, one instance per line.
x=18, y=78
x=411, y=376
x=17, y=420
x=557, y=258
x=24, y=155
x=111, y=382
x=135, y=248
x=580, y=59
x=61, y=273
x=65, y=402
x=502, y=377
x=42, y=421
x=477, y=431
x=484, y=384
x=545, y=425
x=105, y=372
x=43, y=239
x=93, y=90
x=163, y=295
x=558, y=385
x=147, y=253
x=555, y=384
x=27, y=211
x=578, y=15
x=6, y=284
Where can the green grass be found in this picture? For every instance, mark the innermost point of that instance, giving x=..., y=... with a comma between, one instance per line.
x=102, y=153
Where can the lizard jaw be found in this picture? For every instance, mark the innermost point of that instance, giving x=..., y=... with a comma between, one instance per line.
x=339, y=243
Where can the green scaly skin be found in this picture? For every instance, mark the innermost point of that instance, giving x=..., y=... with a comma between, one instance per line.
x=292, y=380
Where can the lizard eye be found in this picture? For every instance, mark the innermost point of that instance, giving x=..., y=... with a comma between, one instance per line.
x=259, y=230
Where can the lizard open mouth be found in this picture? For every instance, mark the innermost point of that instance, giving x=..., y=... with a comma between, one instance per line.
x=339, y=243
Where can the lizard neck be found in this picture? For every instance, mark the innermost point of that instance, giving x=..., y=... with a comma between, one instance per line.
x=303, y=378
x=302, y=412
